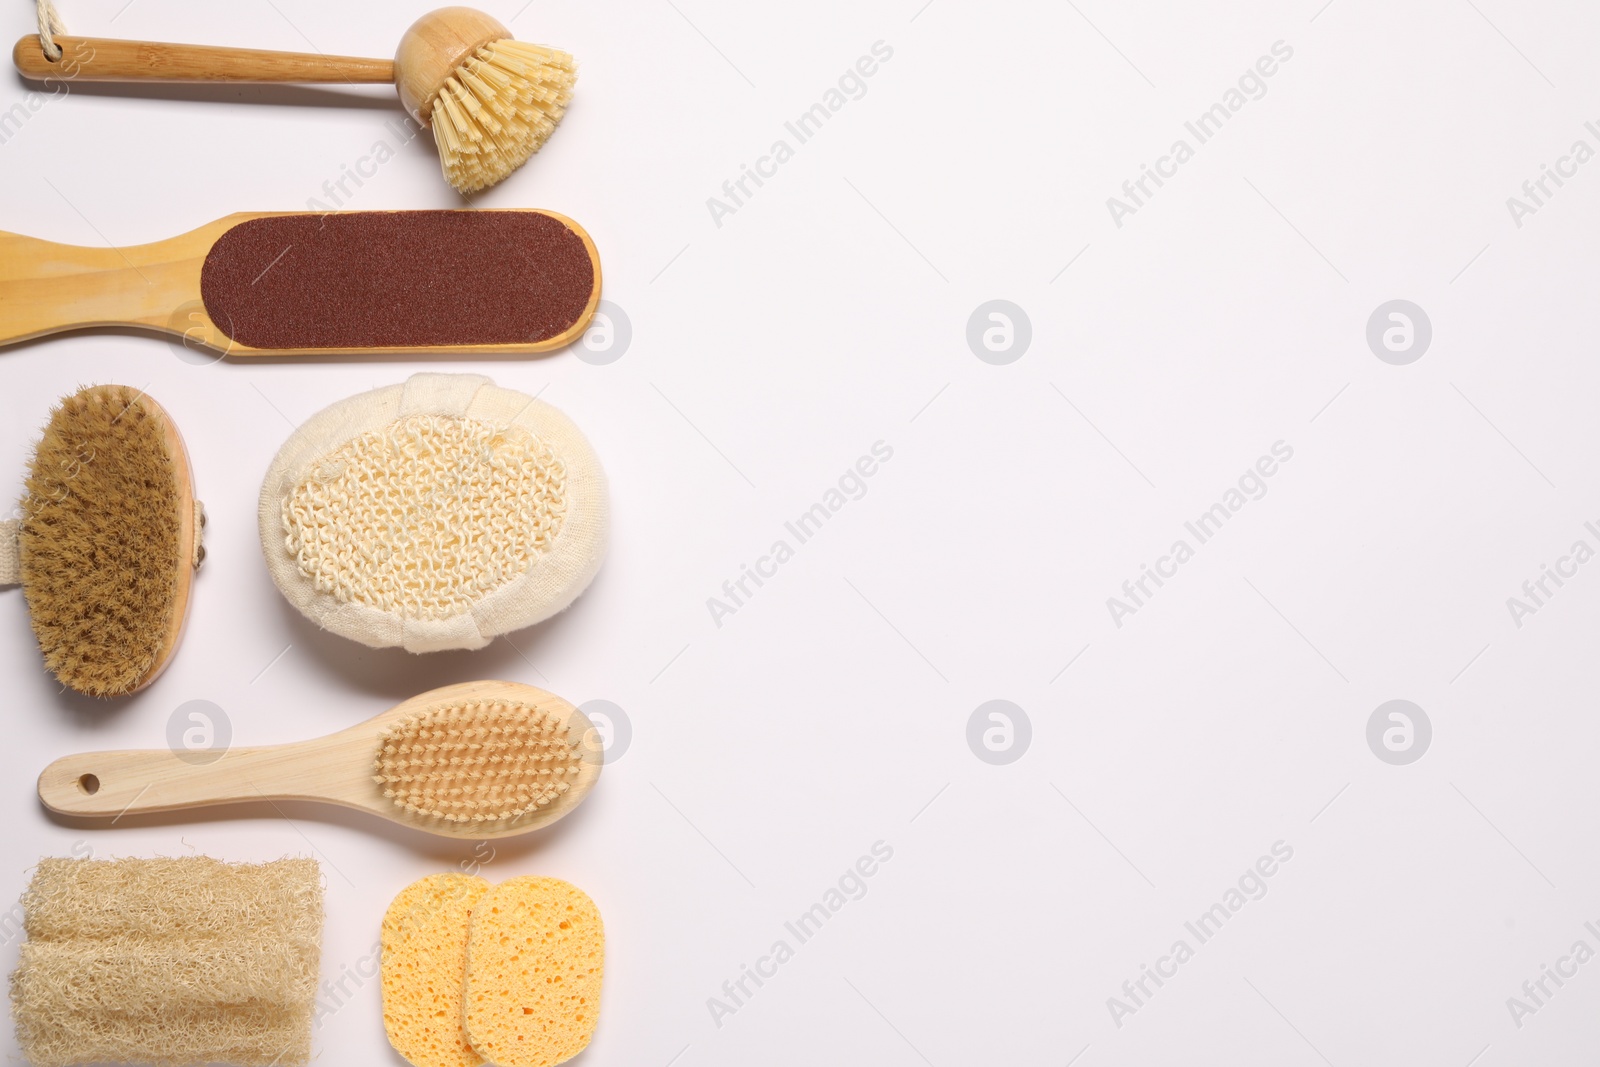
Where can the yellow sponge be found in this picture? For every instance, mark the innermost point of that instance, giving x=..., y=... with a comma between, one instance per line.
x=535, y=953
x=424, y=958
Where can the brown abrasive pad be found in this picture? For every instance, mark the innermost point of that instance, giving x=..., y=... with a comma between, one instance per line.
x=397, y=279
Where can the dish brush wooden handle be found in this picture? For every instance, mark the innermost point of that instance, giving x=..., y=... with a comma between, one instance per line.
x=104, y=59
x=113, y=784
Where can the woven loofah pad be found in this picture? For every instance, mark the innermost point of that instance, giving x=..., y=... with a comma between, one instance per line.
x=454, y=507
x=169, y=961
x=434, y=515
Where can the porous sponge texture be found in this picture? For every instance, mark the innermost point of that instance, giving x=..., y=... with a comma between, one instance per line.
x=482, y=761
x=535, y=957
x=168, y=961
x=99, y=544
x=427, y=515
x=424, y=960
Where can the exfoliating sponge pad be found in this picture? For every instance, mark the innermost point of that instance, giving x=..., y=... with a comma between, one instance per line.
x=424, y=961
x=535, y=956
x=437, y=514
x=171, y=961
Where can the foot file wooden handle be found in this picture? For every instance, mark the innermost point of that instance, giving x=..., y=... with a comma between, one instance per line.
x=506, y=282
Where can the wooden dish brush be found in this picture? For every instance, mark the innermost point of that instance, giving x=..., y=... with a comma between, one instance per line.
x=492, y=101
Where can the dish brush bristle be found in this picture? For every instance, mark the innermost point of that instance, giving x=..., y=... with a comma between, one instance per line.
x=498, y=109
x=100, y=539
x=479, y=762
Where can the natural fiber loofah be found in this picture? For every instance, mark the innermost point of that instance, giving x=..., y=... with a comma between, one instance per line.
x=535, y=957
x=477, y=762
x=499, y=109
x=100, y=546
x=437, y=514
x=169, y=961
x=424, y=965
x=427, y=516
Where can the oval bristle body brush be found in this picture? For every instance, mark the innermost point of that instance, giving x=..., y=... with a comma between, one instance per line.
x=475, y=760
x=504, y=282
x=107, y=540
x=491, y=101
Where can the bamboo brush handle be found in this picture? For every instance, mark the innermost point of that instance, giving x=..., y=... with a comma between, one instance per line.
x=104, y=59
x=131, y=782
x=45, y=286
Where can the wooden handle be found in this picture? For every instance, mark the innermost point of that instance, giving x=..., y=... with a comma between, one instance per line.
x=102, y=59
x=99, y=784
x=46, y=287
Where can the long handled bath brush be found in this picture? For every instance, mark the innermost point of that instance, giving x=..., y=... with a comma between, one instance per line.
x=106, y=542
x=498, y=282
x=492, y=101
x=476, y=760
x=436, y=514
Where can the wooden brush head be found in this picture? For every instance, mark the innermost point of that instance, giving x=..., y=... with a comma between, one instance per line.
x=434, y=48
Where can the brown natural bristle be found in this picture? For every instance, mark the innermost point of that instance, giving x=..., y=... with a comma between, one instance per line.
x=498, y=109
x=100, y=540
x=481, y=761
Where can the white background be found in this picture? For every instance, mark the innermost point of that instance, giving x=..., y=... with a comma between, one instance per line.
x=830, y=712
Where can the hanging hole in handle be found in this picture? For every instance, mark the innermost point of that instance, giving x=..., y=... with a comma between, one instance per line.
x=89, y=784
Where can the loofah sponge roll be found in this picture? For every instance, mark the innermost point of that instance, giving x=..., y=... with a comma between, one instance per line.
x=168, y=961
x=424, y=962
x=437, y=514
x=535, y=958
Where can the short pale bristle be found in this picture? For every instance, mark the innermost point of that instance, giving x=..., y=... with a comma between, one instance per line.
x=100, y=540
x=498, y=109
x=483, y=761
